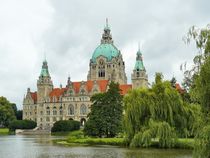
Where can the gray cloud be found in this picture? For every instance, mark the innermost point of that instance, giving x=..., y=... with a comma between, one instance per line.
x=69, y=31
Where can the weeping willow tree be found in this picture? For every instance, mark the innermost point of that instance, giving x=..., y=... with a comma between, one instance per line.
x=200, y=87
x=157, y=113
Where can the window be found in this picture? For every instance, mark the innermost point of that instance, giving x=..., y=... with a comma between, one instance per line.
x=71, y=110
x=61, y=110
x=101, y=73
x=82, y=91
x=48, y=110
x=54, y=111
x=71, y=92
x=83, y=109
x=47, y=119
x=54, y=119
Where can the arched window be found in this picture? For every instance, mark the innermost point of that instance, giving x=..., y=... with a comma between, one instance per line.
x=54, y=111
x=83, y=109
x=61, y=110
x=48, y=110
x=101, y=67
x=71, y=110
x=101, y=73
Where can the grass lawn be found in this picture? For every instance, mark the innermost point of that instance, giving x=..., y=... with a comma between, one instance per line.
x=76, y=138
x=4, y=131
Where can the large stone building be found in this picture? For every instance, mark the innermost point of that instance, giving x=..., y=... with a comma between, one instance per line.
x=48, y=104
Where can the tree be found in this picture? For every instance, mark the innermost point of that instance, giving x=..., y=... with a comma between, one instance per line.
x=158, y=112
x=6, y=112
x=19, y=114
x=105, y=118
x=200, y=87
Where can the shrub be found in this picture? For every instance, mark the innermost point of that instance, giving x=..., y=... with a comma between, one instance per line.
x=22, y=124
x=65, y=126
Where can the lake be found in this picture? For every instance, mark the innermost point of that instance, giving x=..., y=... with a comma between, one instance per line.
x=24, y=146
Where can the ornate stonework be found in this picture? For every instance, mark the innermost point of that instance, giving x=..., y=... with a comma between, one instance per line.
x=48, y=104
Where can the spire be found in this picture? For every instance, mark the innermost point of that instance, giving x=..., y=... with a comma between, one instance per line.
x=107, y=37
x=139, y=60
x=107, y=25
x=69, y=80
x=44, y=71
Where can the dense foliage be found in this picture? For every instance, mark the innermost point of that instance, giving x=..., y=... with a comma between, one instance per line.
x=7, y=113
x=105, y=118
x=65, y=126
x=199, y=87
x=22, y=124
x=158, y=113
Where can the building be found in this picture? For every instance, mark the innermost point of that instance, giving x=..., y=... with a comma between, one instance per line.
x=48, y=104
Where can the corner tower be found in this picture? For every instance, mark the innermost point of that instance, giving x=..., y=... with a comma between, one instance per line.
x=107, y=62
x=44, y=83
x=139, y=77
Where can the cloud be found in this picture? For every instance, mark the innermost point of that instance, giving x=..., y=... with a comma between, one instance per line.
x=69, y=31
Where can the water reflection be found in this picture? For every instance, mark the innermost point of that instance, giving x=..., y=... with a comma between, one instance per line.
x=43, y=147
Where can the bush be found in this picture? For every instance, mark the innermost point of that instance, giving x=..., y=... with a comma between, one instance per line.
x=65, y=126
x=22, y=124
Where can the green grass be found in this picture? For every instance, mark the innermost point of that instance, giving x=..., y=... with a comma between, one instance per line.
x=185, y=143
x=77, y=138
x=4, y=131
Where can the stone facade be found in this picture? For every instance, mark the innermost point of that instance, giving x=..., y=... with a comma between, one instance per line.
x=48, y=104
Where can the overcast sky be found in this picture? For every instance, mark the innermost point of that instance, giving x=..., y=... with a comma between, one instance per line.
x=69, y=31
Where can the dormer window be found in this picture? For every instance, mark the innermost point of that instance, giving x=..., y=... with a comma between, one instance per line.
x=71, y=92
x=82, y=91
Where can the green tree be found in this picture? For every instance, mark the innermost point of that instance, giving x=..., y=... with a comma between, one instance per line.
x=158, y=112
x=200, y=87
x=105, y=118
x=6, y=112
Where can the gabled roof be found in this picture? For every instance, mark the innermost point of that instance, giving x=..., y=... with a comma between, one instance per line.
x=34, y=96
x=57, y=92
x=125, y=88
x=88, y=85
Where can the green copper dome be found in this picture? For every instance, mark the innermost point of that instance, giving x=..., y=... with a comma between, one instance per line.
x=139, y=65
x=44, y=71
x=107, y=50
x=139, y=61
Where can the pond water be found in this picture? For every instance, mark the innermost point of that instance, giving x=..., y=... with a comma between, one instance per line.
x=20, y=146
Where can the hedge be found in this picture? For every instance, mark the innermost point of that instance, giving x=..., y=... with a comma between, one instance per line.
x=65, y=126
x=22, y=124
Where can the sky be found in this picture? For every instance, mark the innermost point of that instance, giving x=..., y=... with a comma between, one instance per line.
x=68, y=31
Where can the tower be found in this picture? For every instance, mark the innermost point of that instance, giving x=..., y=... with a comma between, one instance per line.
x=139, y=77
x=107, y=62
x=44, y=83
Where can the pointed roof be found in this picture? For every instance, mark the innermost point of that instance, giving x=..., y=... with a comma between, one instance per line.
x=44, y=70
x=139, y=61
x=107, y=25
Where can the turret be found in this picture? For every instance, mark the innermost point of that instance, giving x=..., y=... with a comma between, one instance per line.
x=139, y=77
x=44, y=83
